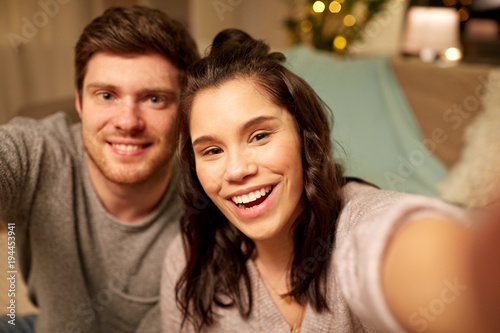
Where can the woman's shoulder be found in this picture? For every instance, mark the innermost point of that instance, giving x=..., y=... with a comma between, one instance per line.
x=357, y=190
x=174, y=263
x=360, y=198
x=175, y=257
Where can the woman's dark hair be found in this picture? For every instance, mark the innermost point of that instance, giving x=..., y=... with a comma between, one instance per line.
x=217, y=252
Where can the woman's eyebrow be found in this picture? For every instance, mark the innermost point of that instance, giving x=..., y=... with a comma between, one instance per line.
x=203, y=139
x=256, y=121
x=249, y=124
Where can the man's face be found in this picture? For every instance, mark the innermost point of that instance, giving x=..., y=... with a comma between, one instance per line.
x=128, y=106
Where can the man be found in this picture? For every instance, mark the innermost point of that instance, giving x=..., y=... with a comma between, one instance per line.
x=93, y=205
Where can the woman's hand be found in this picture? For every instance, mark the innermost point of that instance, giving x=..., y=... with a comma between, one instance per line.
x=426, y=277
x=439, y=276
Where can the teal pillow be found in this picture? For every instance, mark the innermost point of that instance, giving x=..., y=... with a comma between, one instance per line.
x=377, y=137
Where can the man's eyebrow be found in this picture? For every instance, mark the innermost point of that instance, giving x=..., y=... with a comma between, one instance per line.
x=165, y=91
x=246, y=126
x=102, y=85
x=171, y=95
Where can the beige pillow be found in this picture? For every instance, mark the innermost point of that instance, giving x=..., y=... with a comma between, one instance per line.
x=475, y=179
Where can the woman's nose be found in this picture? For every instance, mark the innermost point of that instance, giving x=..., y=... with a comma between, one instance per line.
x=240, y=165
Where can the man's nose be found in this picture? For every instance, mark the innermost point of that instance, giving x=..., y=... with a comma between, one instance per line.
x=129, y=117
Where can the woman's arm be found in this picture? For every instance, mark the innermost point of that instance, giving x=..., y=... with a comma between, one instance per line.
x=435, y=276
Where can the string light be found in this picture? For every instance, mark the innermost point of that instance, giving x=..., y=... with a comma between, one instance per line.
x=349, y=20
x=306, y=26
x=318, y=7
x=335, y=7
x=464, y=14
x=339, y=42
x=318, y=26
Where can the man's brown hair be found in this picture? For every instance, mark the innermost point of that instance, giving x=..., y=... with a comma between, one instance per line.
x=135, y=30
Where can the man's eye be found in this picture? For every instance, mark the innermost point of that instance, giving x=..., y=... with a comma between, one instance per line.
x=155, y=99
x=106, y=96
x=158, y=101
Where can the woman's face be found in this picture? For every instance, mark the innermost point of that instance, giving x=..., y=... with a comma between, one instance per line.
x=248, y=158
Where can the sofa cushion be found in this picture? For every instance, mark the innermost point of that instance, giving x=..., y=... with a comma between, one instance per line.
x=373, y=121
x=442, y=98
x=474, y=181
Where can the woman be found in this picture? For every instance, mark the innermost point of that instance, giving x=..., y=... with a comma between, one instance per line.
x=275, y=239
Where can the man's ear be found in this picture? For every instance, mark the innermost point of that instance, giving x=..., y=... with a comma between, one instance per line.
x=78, y=104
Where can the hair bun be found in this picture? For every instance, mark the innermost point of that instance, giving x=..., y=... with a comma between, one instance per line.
x=231, y=44
x=234, y=44
x=232, y=36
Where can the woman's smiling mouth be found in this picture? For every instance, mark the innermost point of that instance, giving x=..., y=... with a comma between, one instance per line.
x=253, y=198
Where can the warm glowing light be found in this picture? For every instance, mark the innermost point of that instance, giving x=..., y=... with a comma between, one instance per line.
x=318, y=6
x=453, y=54
x=427, y=54
x=349, y=20
x=340, y=42
x=335, y=7
x=449, y=2
x=430, y=31
x=340, y=1
x=466, y=2
x=306, y=26
x=463, y=13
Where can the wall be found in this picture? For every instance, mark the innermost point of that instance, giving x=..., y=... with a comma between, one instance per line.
x=382, y=34
x=40, y=68
x=36, y=48
x=260, y=18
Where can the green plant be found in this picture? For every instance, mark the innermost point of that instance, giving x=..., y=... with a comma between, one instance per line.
x=330, y=25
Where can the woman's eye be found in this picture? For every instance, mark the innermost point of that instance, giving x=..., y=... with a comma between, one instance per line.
x=259, y=136
x=211, y=151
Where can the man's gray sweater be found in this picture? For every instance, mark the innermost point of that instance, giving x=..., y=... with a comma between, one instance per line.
x=85, y=270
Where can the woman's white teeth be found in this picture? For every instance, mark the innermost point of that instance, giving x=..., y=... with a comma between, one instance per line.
x=126, y=147
x=252, y=196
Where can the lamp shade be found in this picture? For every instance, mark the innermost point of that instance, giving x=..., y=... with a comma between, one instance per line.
x=431, y=28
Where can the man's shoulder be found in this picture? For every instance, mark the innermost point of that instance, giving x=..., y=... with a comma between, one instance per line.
x=59, y=121
x=56, y=129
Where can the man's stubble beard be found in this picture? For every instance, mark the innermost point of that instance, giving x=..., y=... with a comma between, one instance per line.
x=131, y=174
